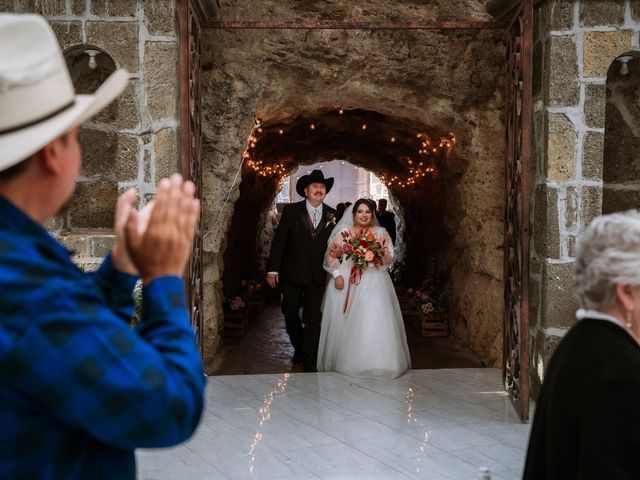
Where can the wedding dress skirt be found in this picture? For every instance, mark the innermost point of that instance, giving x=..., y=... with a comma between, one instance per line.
x=368, y=340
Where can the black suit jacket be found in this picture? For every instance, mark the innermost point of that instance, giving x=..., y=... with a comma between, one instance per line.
x=587, y=419
x=296, y=255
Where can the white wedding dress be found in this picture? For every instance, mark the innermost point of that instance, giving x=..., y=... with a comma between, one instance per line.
x=368, y=340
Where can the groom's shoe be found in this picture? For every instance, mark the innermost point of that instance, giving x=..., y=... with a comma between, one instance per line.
x=296, y=360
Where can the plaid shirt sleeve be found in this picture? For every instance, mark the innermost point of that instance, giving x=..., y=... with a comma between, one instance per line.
x=117, y=288
x=128, y=388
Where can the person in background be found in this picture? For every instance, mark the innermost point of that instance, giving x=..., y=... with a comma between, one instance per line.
x=387, y=219
x=340, y=208
x=80, y=389
x=587, y=419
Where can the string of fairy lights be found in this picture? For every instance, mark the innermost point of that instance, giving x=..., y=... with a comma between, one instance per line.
x=421, y=165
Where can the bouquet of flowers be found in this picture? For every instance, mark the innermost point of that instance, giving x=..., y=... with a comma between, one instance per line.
x=362, y=249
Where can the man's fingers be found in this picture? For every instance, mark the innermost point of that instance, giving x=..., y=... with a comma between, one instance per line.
x=134, y=238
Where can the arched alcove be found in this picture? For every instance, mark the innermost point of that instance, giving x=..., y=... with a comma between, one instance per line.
x=621, y=165
x=417, y=162
x=93, y=202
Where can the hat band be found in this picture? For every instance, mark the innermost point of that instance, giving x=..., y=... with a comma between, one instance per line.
x=38, y=120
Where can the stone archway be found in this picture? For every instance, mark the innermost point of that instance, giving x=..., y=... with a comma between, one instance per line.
x=445, y=80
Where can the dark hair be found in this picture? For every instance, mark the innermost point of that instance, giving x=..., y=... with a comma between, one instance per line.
x=15, y=170
x=21, y=166
x=365, y=201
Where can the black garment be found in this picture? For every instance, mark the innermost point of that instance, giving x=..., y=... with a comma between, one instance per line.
x=587, y=419
x=388, y=220
x=297, y=254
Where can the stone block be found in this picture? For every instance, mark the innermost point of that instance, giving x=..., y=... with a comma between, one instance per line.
x=101, y=245
x=114, y=8
x=596, y=13
x=601, y=48
x=635, y=10
x=93, y=205
x=160, y=17
x=561, y=148
x=99, y=152
x=546, y=346
x=621, y=163
x=546, y=229
x=166, y=153
x=561, y=14
x=571, y=208
x=594, y=105
x=54, y=224
x=118, y=39
x=561, y=76
x=591, y=204
x=79, y=7
x=592, y=155
x=161, y=79
x=45, y=8
x=619, y=199
x=78, y=244
x=124, y=111
x=109, y=154
x=69, y=34
x=559, y=303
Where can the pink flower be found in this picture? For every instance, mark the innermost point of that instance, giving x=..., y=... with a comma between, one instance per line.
x=345, y=248
x=369, y=256
x=418, y=293
x=410, y=290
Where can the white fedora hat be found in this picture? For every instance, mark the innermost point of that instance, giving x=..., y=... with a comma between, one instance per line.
x=37, y=100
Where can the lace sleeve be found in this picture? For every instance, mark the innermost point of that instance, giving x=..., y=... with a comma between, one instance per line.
x=331, y=264
x=389, y=254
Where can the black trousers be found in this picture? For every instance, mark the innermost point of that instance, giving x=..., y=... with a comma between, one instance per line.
x=304, y=340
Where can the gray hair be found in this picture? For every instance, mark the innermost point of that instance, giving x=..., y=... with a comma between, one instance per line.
x=608, y=254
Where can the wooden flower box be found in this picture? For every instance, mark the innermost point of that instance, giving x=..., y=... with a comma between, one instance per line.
x=235, y=323
x=434, y=325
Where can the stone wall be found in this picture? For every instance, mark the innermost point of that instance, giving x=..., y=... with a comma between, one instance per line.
x=575, y=42
x=447, y=80
x=134, y=141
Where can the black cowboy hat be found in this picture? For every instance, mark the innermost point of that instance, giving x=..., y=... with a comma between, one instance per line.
x=314, y=177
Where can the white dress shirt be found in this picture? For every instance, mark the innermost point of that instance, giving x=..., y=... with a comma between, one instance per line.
x=318, y=212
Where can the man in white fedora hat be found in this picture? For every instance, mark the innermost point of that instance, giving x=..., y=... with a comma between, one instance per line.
x=79, y=388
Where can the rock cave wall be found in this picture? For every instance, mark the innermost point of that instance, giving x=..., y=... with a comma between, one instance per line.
x=442, y=80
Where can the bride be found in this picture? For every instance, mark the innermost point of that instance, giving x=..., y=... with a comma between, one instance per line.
x=362, y=332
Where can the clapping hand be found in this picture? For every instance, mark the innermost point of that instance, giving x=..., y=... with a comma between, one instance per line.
x=159, y=237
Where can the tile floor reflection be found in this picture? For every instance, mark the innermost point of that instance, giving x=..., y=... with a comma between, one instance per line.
x=433, y=424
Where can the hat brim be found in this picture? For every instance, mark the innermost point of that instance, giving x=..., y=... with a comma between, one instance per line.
x=21, y=144
x=305, y=181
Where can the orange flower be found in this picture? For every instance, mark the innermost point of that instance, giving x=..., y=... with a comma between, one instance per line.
x=370, y=237
x=369, y=256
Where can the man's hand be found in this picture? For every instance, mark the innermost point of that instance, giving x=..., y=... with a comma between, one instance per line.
x=163, y=248
x=335, y=251
x=119, y=253
x=273, y=279
x=339, y=282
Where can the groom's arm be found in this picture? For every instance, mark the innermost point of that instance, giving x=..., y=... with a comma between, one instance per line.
x=279, y=242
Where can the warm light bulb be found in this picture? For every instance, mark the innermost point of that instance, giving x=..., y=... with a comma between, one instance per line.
x=280, y=131
x=393, y=139
x=312, y=126
x=364, y=126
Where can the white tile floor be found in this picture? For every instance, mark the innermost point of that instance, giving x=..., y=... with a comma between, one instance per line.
x=434, y=424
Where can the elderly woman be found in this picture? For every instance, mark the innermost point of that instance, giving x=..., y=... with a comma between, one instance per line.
x=587, y=421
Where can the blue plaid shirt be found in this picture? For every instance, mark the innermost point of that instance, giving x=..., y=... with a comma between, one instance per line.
x=79, y=388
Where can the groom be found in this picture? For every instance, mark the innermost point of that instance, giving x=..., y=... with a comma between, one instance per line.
x=297, y=254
